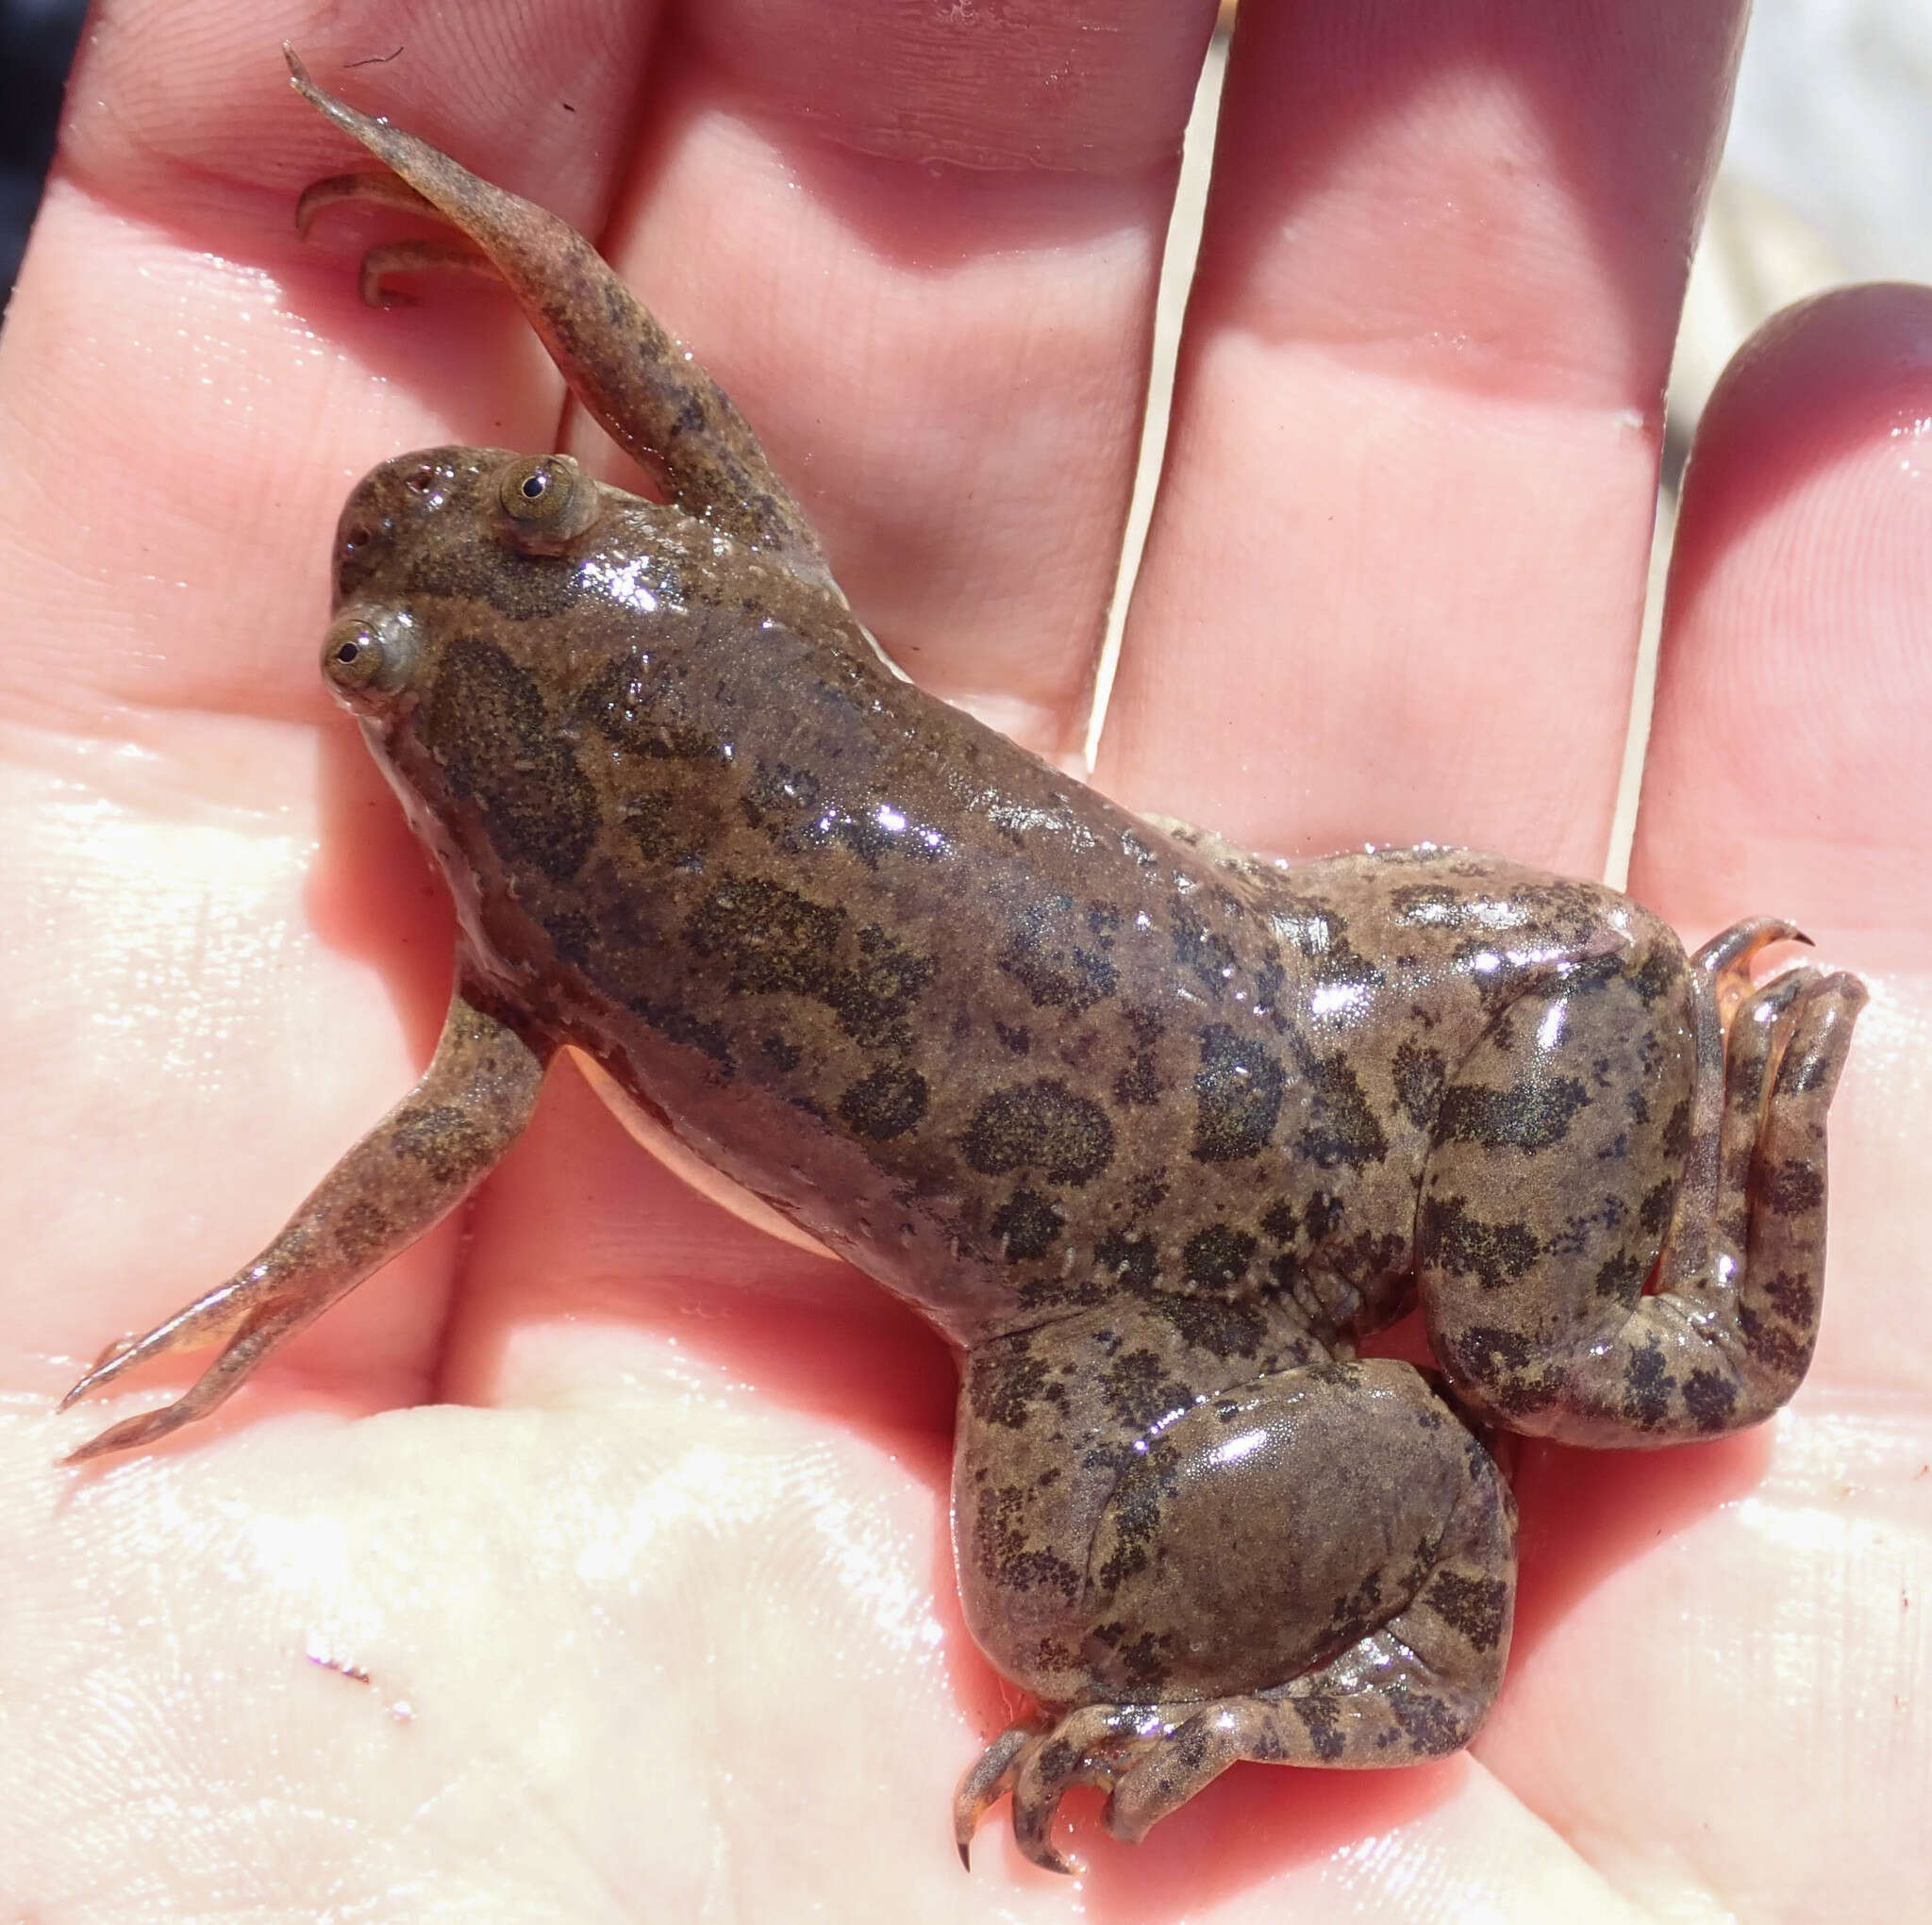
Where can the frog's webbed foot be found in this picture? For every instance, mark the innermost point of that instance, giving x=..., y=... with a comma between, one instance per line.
x=409, y=1172
x=1038, y=1764
x=648, y=394
x=1382, y=1701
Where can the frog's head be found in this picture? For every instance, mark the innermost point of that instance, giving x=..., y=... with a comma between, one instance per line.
x=469, y=533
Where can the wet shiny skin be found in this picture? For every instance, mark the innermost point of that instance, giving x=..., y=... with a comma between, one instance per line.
x=1155, y=1132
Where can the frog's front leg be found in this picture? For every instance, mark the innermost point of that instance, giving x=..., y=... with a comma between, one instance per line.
x=405, y=1175
x=1312, y=1562
x=1612, y=1131
x=647, y=393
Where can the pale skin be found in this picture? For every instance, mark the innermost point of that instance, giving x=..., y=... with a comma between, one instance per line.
x=596, y=1566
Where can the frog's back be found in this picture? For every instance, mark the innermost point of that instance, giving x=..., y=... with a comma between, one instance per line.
x=1008, y=1047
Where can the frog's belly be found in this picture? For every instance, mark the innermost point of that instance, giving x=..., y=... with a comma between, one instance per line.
x=683, y=1162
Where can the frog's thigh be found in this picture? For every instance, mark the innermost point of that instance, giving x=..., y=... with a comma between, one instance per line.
x=1314, y=1567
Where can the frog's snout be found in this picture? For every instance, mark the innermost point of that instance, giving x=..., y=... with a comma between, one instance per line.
x=404, y=509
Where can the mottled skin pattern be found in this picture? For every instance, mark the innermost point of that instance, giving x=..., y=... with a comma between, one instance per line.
x=1153, y=1132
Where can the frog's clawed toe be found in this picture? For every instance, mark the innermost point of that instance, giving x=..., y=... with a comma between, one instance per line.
x=1038, y=1764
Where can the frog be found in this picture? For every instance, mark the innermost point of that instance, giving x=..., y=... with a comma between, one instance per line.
x=1157, y=1134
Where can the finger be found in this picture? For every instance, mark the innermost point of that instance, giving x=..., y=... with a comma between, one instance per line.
x=919, y=246
x=1787, y=767
x=1794, y=687
x=1394, y=581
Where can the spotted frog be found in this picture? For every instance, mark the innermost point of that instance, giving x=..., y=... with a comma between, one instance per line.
x=1153, y=1132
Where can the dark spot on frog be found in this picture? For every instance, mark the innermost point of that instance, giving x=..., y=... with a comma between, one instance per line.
x=1004, y=1554
x=1341, y=1130
x=1792, y=1297
x=1431, y=1726
x=1005, y=1387
x=1132, y=1260
x=1238, y=1096
x=1015, y=1038
x=1419, y=1073
x=1771, y=1345
x=443, y=1139
x=1534, y=1113
x=1465, y=1246
x=1278, y=1221
x=1149, y=1192
x=785, y=1055
x=1475, y=1607
x=1322, y=1717
x=1215, y=1257
x=780, y=942
x=1027, y=1225
x=1647, y=1387
x=1349, y=1617
x=485, y=722
x=650, y=822
x=1208, y=957
x=1656, y=976
x=885, y=1103
x=1653, y=1212
x=1041, y=1126
x=1621, y=1279
x=1485, y=1352
x=1220, y=1328
x=1323, y=1215
x=1141, y=1392
x=1270, y=982
x=1055, y=971
x=1793, y=1188
x=1710, y=1398
x=1142, y=1662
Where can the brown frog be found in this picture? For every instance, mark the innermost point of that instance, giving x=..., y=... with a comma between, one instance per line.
x=1153, y=1132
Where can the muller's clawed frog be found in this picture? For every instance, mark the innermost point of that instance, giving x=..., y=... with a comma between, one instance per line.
x=1153, y=1132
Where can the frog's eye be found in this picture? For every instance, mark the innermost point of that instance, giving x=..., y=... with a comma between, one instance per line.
x=360, y=656
x=549, y=501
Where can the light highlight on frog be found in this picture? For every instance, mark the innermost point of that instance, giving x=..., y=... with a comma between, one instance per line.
x=1155, y=1133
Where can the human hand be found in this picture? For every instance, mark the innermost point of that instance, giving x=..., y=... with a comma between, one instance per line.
x=632, y=1522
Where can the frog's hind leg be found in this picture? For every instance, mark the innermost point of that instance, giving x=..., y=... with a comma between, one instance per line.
x=647, y=394
x=407, y=1173
x=1315, y=1565
x=1648, y=1119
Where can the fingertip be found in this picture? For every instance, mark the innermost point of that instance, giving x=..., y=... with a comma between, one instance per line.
x=1795, y=686
x=1820, y=382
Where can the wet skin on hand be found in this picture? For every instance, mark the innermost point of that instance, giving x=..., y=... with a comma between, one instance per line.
x=1155, y=1132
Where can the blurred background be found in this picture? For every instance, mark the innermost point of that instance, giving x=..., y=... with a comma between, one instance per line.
x=36, y=39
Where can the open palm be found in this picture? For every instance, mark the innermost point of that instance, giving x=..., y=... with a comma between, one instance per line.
x=591, y=1562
